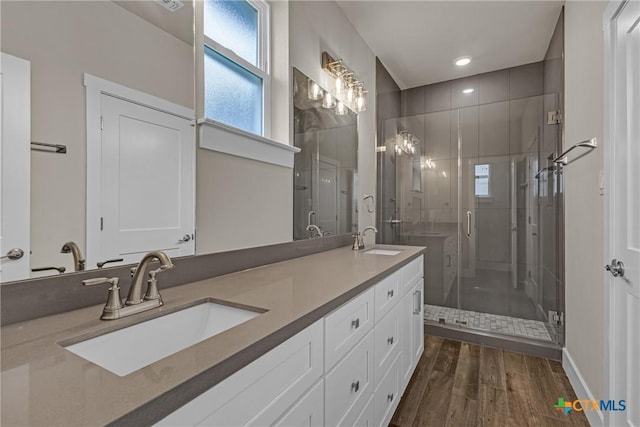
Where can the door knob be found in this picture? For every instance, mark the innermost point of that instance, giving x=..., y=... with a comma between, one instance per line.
x=13, y=254
x=185, y=238
x=616, y=268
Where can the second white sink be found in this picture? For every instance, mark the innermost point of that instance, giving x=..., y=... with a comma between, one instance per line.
x=381, y=252
x=129, y=349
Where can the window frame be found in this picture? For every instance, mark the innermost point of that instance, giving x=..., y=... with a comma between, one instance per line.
x=262, y=70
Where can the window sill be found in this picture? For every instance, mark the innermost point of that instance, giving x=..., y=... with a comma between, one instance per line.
x=218, y=137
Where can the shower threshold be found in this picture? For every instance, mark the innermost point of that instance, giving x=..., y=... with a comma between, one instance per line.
x=506, y=325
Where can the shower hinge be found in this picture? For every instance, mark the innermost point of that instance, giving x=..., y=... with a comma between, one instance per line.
x=101, y=123
x=554, y=117
x=101, y=223
x=556, y=318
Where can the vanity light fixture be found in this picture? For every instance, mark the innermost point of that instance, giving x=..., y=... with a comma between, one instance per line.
x=314, y=91
x=348, y=88
x=462, y=61
x=406, y=143
x=468, y=91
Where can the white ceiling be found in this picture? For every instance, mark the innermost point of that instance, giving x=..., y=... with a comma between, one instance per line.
x=417, y=41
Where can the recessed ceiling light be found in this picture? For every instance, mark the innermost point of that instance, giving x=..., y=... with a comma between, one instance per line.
x=462, y=61
x=467, y=91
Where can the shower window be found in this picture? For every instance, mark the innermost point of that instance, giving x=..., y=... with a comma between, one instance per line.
x=482, y=180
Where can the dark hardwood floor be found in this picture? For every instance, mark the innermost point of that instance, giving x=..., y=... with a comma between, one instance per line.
x=462, y=384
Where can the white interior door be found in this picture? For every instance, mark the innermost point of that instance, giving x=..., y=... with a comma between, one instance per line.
x=15, y=175
x=622, y=29
x=147, y=181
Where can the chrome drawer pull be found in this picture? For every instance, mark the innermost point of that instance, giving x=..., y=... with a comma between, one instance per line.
x=355, y=386
x=355, y=323
x=390, y=397
x=417, y=302
x=390, y=293
x=390, y=340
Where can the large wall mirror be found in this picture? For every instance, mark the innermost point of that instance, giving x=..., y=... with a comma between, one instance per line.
x=139, y=45
x=326, y=169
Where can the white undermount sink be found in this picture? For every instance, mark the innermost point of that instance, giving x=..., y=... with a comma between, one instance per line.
x=381, y=252
x=126, y=350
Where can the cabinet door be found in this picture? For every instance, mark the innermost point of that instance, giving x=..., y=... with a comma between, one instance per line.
x=261, y=392
x=406, y=328
x=306, y=412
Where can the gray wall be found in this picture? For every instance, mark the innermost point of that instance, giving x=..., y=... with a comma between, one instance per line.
x=388, y=106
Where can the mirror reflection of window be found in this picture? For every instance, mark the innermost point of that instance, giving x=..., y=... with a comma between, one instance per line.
x=482, y=180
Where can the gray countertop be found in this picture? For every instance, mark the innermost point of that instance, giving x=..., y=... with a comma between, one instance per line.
x=44, y=384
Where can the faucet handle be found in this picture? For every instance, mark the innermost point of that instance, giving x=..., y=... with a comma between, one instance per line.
x=101, y=280
x=114, y=302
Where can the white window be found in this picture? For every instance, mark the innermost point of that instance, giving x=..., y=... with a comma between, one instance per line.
x=236, y=70
x=482, y=180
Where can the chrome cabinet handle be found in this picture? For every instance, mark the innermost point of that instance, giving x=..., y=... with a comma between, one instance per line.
x=13, y=254
x=390, y=293
x=185, y=238
x=468, y=223
x=390, y=340
x=390, y=397
x=616, y=268
x=417, y=302
x=355, y=386
x=355, y=323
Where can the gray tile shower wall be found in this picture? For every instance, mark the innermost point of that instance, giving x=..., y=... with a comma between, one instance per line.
x=33, y=298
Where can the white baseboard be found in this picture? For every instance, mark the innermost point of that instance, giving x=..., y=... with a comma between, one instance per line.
x=581, y=388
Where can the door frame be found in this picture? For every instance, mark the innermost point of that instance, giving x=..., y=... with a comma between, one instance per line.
x=95, y=87
x=613, y=9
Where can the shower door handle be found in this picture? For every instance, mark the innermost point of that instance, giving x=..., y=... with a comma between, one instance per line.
x=468, y=223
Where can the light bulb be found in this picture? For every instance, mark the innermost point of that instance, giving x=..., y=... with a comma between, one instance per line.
x=361, y=102
x=314, y=92
x=341, y=109
x=350, y=94
x=329, y=101
x=339, y=84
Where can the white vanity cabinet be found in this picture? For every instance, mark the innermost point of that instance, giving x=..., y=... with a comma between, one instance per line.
x=348, y=369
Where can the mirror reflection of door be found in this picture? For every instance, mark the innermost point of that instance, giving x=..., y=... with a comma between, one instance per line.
x=326, y=204
x=15, y=87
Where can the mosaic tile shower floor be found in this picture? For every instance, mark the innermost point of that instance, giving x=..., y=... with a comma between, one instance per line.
x=489, y=322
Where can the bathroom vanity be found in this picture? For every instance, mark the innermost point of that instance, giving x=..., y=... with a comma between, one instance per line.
x=334, y=341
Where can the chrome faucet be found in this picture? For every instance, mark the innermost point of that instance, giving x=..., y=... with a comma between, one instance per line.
x=312, y=227
x=135, y=303
x=78, y=260
x=358, y=243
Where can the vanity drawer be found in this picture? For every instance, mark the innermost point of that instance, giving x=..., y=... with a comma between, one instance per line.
x=387, y=338
x=261, y=392
x=411, y=272
x=350, y=384
x=346, y=325
x=363, y=418
x=387, y=396
x=387, y=294
x=308, y=411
